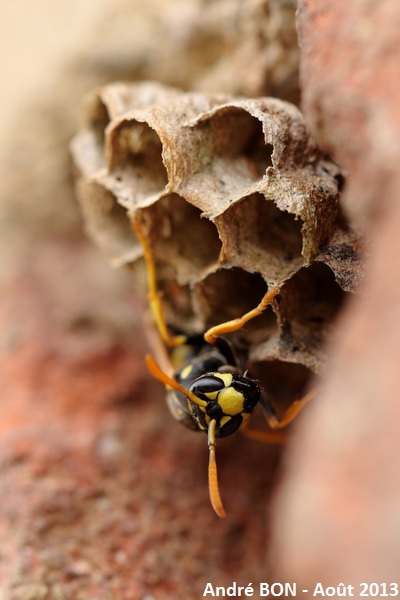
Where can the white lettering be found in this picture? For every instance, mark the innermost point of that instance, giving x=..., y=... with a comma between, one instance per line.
x=208, y=590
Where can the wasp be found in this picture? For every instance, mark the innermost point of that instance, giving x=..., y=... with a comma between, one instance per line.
x=207, y=390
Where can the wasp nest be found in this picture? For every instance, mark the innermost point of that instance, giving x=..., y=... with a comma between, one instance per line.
x=235, y=198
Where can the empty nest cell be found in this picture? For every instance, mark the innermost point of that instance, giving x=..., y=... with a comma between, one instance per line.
x=136, y=170
x=229, y=293
x=258, y=236
x=184, y=245
x=106, y=223
x=238, y=136
x=282, y=382
x=134, y=144
x=306, y=309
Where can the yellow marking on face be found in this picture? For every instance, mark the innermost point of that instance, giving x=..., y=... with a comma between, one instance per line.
x=186, y=372
x=231, y=401
x=212, y=395
x=224, y=420
x=226, y=378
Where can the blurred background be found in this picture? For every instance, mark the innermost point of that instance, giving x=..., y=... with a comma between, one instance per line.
x=35, y=40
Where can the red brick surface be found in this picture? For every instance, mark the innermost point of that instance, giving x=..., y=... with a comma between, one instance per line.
x=350, y=91
x=337, y=512
x=103, y=495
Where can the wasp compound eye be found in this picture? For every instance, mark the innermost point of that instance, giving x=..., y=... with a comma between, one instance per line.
x=249, y=389
x=207, y=386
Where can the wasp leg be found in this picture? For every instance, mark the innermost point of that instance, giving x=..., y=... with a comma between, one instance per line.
x=211, y=334
x=276, y=436
x=264, y=435
x=291, y=413
x=155, y=298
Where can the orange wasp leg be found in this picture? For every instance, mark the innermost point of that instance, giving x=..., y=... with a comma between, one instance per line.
x=153, y=294
x=211, y=334
x=275, y=435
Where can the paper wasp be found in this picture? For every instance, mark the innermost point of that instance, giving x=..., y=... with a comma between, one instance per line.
x=208, y=391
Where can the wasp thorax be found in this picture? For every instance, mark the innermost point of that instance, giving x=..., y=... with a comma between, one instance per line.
x=230, y=401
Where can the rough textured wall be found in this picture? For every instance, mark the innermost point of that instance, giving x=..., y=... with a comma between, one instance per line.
x=337, y=512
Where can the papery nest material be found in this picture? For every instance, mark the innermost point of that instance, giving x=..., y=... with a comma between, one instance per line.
x=235, y=196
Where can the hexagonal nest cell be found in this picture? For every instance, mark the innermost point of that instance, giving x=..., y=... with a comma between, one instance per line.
x=234, y=198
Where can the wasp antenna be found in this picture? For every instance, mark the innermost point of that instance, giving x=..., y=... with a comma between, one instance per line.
x=159, y=374
x=215, y=497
